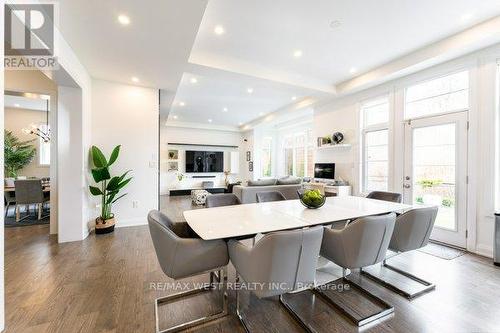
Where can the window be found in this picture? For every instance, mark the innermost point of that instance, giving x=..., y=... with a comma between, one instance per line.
x=298, y=151
x=442, y=95
x=266, y=156
x=44, y=147
x=375, y=148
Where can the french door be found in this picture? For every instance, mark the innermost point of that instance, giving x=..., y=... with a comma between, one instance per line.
x=436, y=172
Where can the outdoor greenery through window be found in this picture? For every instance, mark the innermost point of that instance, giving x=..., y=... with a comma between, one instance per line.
x=442, y=95
x=375, y=148
x=266, y=156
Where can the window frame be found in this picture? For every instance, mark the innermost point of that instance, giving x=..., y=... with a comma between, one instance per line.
x=385, y=126
x=43, y=127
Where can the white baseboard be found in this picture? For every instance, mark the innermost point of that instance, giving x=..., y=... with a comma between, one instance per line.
x=484, y=250
x=131, y=222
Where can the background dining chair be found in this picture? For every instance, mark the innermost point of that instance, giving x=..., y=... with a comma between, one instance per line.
x=184, y=257
x=29, y=192
x=362, y=243
x=220, y=200
x=270, y=196
x=386, y=196
x=280, y=262
x=411, y=232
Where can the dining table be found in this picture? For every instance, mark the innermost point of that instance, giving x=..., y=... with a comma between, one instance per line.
x=254, y=218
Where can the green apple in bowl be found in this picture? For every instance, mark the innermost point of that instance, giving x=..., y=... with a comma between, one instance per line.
x=312, y=198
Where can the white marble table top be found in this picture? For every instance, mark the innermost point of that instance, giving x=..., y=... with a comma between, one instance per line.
x=248, y=219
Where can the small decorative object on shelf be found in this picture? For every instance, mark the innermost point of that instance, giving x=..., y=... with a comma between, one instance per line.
x=108, y=189
x=324, y=140
x=173, y=154
x=312, y=199
x=337, y=138
x=180, y=176
x=226, y=177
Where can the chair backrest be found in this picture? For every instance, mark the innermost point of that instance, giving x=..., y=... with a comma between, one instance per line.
x=270, y=196
x=362, y=243
x=223, y=199
x=182, y=257
x=386, y=196
x=413, y=229
x=28, y=191
x=283, y=261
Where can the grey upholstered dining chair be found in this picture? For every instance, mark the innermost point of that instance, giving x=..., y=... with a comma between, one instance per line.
x=223, y=199
x=411, y=232
x=280, y=262
x=10, y=199
x=28, y=192
x=270, y=196
x=386, y=196
x=362, y=243
x=184, y=257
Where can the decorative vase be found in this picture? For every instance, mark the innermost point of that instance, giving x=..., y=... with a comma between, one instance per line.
x=104, y=226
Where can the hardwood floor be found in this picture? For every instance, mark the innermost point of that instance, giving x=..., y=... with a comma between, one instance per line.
x=106, y=284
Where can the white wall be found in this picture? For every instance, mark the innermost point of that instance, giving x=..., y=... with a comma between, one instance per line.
x=128, y=116
x=342, y=115
x=185, y=135
x=15, y=120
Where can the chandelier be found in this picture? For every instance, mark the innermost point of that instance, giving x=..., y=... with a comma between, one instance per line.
x=42, y=131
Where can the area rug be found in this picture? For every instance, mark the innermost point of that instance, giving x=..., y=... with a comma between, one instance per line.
x=10, y=219
x=442, y=251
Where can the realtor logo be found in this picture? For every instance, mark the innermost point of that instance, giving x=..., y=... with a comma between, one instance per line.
x=29, y=36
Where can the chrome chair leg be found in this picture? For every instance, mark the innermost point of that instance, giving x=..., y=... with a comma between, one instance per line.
x=427, y=286
x=238, y=310
x=387, y=309
x=171, y=298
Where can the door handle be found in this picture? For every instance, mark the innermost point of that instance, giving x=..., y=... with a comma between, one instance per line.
x=406, y=185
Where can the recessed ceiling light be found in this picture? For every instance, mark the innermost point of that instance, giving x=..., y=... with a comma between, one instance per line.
x=240, y=123
x=261, y=113
x=17, y=105
x=335, y=24
x=353, y=70
x=209, y=120
x=250, y=90
x=182, y=103
x=193, y=80
x=123, y=19
x=297, y=53
x=466, y=17
x=224, y=109
x=135, y=79
x=175, y=117
x=294, y=98
x=219, y=30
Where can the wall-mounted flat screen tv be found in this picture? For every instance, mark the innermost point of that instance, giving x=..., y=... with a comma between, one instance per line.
x=324, y=170
x=204, y=161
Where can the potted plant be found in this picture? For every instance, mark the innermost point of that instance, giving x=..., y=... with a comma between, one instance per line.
x=108, y=187
x=17, y=154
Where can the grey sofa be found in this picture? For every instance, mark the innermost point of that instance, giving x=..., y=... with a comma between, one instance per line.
x=248, y=194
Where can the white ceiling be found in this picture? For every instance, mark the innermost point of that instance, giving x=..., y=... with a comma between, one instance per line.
x=20, y=102
x=168, y=40
x=154, y=47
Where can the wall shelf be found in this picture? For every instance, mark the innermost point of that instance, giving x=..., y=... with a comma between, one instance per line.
x=339, y=146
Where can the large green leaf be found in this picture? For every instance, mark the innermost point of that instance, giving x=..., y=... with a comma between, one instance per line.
x=98, y=158
x=121, y=196
x=113, y=184
x=123, y=183
x=111, y=196
x=114, y=155
x=95, y=190
x=100, y=174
